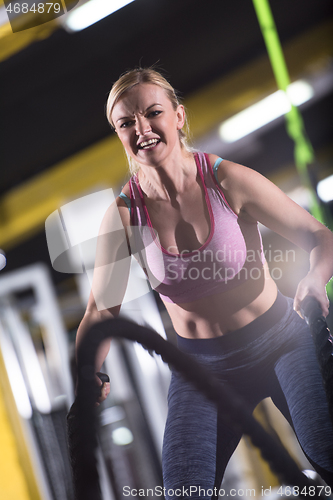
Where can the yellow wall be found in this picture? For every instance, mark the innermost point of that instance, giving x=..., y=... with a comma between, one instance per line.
x=12, y=481
x=18, y=479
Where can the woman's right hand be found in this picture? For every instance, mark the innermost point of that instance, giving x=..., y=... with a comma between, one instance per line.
x=314, y=287
x=103, y=382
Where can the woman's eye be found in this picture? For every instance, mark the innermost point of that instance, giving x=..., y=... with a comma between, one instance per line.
x=155, y=112
x=125, y=124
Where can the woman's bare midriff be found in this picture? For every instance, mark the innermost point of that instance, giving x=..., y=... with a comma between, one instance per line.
x=219, y=314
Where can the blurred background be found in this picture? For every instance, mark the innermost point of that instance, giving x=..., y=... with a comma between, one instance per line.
x=57, y=147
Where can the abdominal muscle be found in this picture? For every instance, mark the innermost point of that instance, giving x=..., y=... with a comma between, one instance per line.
x=222, y=313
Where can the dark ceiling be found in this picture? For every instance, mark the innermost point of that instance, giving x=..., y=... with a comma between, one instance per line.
x=54, y=91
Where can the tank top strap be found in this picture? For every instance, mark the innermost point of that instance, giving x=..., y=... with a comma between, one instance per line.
x=205, y=167
x=209, y=171
x=202, y=161
x=138, y=214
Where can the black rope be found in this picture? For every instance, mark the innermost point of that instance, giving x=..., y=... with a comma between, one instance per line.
x=82, y=420
x=323, y=342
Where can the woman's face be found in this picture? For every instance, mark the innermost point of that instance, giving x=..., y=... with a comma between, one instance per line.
x=147, y=124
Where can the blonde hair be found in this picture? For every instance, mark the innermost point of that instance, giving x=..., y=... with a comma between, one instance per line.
x=144, y=75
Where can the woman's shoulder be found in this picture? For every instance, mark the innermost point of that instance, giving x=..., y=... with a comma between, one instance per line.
x=213, y=158
x=125, y=193
x=236, y=181
x=227, y=170
x=122, y=204
x=119, y=208
x=224, y=165
x=230, y=170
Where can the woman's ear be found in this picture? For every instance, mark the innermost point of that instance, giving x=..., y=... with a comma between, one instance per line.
x=180, y=116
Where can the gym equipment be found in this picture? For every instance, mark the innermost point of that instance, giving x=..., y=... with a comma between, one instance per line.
x=82, y=420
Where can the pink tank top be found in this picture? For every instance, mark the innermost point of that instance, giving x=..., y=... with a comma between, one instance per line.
x=232, y=253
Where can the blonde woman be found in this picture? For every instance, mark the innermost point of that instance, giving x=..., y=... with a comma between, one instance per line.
x=195, y=218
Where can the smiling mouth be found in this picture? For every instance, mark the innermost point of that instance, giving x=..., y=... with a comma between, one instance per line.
x=148, y=144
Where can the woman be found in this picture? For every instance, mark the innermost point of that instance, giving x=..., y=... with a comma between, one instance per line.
x=193, y=221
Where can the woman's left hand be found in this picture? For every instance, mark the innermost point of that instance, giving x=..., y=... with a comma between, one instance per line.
x=311, y=286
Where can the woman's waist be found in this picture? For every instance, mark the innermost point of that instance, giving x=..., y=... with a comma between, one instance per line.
x=238, y=339
x=224, y=313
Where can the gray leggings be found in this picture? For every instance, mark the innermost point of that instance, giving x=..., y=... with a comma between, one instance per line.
x=271, y=357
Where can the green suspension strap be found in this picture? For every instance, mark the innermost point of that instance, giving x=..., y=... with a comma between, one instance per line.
x=303, y=151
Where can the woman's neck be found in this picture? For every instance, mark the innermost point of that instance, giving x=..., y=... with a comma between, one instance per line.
x=165, y=182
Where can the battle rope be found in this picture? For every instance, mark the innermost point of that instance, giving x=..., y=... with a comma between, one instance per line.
x=323, y=341
x=82, y=419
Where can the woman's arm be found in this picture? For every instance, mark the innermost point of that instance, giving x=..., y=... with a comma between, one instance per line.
x=321, y=260
x=91, y=317
x=254, y=197
x=111, y=271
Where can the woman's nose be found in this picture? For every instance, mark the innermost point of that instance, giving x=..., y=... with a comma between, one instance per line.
x=142, y=126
